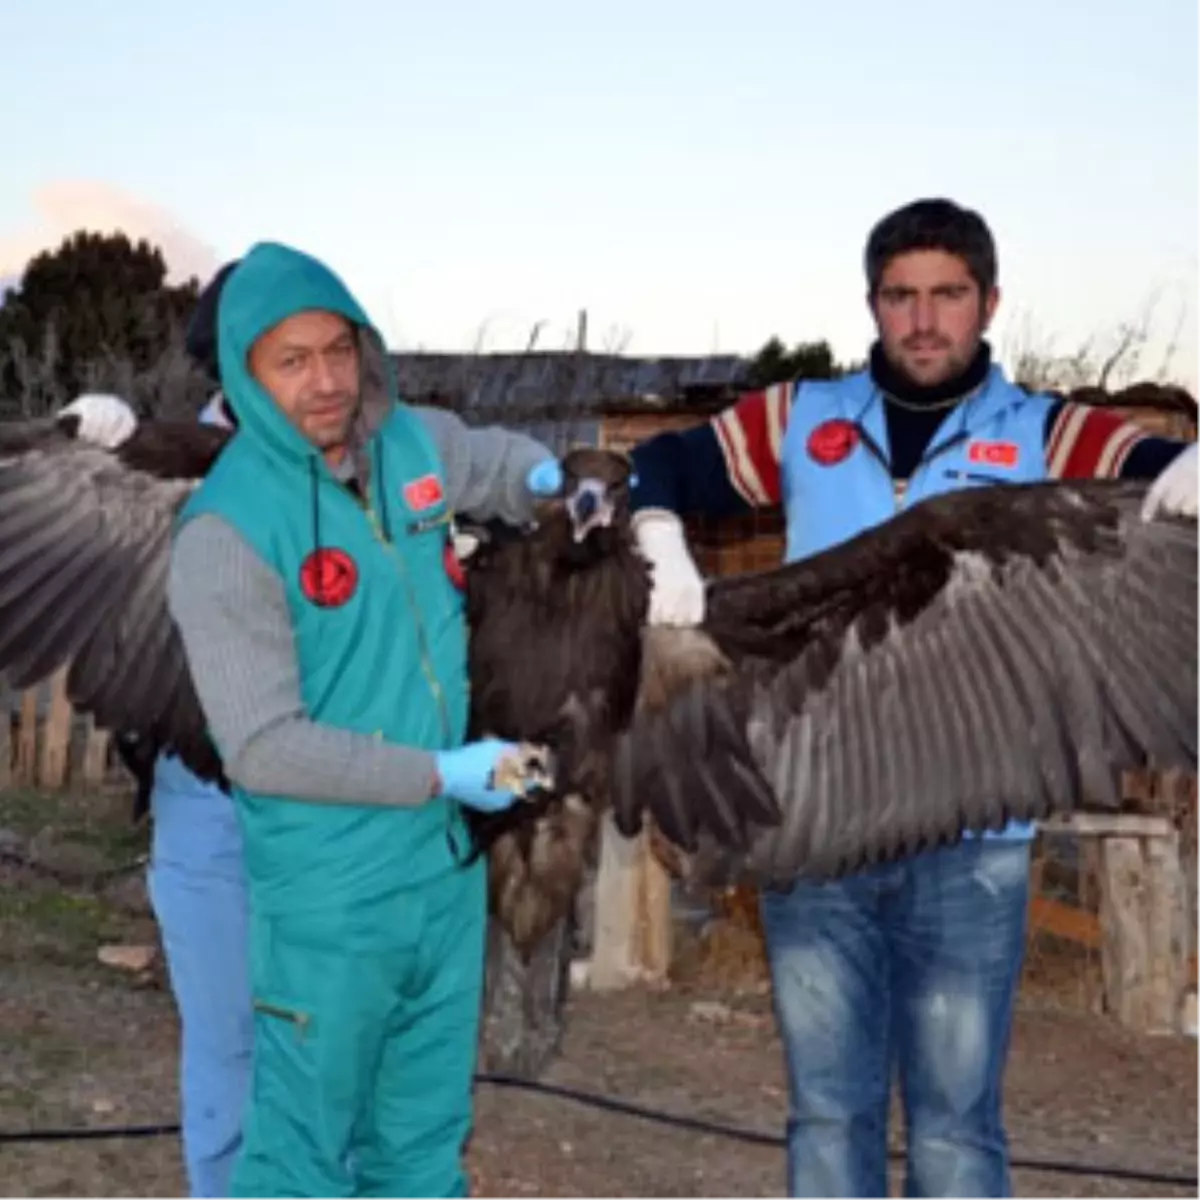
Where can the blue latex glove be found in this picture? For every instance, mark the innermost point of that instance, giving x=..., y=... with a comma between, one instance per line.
x=466, y=774
x=546, y=478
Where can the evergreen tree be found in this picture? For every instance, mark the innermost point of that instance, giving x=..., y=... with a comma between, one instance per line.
x=774, y=363
x=94, y=313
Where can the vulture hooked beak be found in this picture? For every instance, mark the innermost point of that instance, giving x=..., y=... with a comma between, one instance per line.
x=589, y=507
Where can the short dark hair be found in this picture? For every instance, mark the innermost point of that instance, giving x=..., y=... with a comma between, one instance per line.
x=934, y=224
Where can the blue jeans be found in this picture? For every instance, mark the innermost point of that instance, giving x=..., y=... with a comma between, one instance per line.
x=910, y=967
x=198, y=889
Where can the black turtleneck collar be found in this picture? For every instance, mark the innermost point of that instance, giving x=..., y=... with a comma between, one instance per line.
x=914, y=412
x=893, y=382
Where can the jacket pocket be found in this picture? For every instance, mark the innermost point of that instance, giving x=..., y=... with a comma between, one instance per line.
x=298, y=1018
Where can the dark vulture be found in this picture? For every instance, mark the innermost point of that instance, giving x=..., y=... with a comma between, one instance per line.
x=993, y=653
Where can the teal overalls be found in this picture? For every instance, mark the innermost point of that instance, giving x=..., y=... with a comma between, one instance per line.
x=367, y=936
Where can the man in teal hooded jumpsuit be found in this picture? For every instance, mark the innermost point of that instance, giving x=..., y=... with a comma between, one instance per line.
x=313, y=582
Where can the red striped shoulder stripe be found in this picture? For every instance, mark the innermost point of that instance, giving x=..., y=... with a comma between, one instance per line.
x=750, y=434
x=1090, y=443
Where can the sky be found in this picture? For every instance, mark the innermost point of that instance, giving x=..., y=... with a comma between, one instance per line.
x=698, y=176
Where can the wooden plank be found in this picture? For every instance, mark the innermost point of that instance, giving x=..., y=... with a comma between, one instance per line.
x=1144, y=934
x=1166, y=921
x=1122, y=957
x=1082, y=824
x=1079, y=926
x=615, y=935
x=56, y=742
x=7, y=740
x=1065, y=921
x=1089, y=874
x=1167, y=793
x=25, y=766
x=94, y=768
x=632, y=898
x=654, y=919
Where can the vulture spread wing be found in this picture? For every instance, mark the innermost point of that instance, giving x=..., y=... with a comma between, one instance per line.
x=990, y=654
x=84, y=551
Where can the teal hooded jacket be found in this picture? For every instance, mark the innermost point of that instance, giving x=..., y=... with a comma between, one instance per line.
x=379, y=626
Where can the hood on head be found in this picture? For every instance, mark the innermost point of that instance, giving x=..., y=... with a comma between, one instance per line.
x=270, y=283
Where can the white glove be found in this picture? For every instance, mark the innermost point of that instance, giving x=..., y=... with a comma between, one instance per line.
x=677, y=593
x=103, y=419
x=1174, y=491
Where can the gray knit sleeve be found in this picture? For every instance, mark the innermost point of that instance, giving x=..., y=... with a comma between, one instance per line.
x=233, y=616
x=487, y=466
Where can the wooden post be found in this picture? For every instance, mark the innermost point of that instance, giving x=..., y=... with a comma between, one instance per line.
x=1144, y=917
x=614, y=934
x=1144, y=955
x=654, y=917
x=632, y=927
x=631, y=940
x=94, y=768
x=7, y=729
x=56, y=744
x=25, y=768
x=1189, y=1018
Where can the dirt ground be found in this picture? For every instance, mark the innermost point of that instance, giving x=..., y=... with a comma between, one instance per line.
x=83, y=1045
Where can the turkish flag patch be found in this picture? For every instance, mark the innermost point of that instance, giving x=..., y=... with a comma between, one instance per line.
x=423, y=493
x=993, y=454
x=328, y=577
x=832, y=441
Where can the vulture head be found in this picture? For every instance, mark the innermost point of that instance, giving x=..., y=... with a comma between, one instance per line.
x=589, y=518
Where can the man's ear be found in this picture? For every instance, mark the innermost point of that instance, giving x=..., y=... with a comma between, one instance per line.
x=990, y=303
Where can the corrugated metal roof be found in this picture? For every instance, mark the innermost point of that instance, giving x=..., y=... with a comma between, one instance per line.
x=562, y=387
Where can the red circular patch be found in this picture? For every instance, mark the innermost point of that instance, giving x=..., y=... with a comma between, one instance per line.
x=328, y=577
x=454, y=568
x=832, y=441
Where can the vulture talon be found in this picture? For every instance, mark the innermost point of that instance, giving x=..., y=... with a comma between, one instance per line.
x=529, y=772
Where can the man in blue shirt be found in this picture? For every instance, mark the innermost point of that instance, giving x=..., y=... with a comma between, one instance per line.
x=911, y=966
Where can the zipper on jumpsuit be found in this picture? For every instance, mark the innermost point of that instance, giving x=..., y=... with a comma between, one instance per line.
x=302, y=1020
x=367, y=504
x=427, y=670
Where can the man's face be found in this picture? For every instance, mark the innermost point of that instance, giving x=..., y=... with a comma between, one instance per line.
x=930, y=315
x=309, y=365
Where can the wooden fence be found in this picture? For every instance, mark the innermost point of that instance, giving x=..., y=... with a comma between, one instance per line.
x=46, y=744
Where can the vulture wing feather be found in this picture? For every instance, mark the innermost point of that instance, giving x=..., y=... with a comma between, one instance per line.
x=992, y=654
x=84, y=549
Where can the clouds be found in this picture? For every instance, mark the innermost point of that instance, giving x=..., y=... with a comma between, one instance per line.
x=63, y=207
